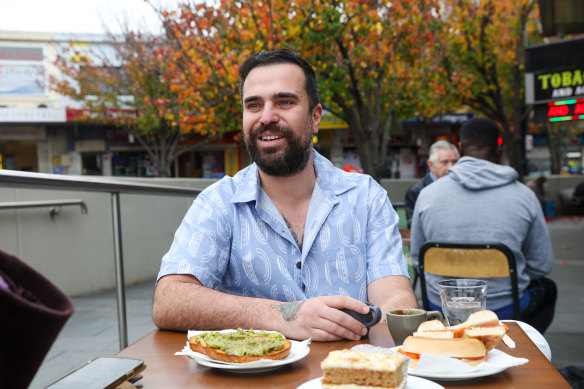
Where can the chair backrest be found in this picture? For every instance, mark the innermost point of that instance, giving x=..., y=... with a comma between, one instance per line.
x=468, y=260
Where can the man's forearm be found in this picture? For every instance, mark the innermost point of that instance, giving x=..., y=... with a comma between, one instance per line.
x=181, y=304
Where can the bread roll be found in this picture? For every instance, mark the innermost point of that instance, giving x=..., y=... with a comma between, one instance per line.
x=468, y=350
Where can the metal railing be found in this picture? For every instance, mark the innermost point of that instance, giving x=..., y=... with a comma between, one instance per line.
x=44, y=203
x=16, y=179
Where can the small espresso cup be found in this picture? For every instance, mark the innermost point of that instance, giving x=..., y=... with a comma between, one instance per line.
x=404, y=322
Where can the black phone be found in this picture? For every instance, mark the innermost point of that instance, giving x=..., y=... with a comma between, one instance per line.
x=100, y=373
x=368, y=319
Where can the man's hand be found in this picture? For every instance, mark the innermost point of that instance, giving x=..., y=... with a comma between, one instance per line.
x=321, y=318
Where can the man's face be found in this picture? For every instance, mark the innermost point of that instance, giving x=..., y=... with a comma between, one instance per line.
x=277, y=125
x=446, y=158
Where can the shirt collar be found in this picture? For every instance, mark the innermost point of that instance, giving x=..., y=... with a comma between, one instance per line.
x=331, y=181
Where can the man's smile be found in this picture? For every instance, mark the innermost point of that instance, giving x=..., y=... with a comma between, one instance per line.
x=270, y=137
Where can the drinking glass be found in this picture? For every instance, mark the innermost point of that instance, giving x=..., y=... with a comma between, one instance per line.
x=461, y=297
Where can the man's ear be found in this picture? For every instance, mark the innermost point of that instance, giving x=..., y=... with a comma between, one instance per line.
x=316, y=116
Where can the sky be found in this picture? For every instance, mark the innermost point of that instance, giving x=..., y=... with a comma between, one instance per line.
x=78, y=16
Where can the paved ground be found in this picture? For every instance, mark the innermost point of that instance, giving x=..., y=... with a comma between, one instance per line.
x=566, y=334
x=92, y=330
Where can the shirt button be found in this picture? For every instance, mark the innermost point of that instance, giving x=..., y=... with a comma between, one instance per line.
x=298, y=265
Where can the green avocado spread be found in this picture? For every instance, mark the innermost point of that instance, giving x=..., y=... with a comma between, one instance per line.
x=243, y=342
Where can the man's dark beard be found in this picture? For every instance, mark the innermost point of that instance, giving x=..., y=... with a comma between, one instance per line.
x=293, y=159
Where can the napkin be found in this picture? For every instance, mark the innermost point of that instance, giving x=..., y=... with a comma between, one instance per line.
x=430, y=363
x=297, y=347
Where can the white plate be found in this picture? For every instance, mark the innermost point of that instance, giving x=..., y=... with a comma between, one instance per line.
x=446, y=376
x=297, y=352
x=413, y=383
x=483, y=371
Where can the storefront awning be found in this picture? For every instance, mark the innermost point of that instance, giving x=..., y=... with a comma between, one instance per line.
x=328, y=121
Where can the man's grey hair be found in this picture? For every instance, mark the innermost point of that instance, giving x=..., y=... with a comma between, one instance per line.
x=441, y=145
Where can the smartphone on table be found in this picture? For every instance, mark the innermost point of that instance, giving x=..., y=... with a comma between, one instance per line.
x=100, y=373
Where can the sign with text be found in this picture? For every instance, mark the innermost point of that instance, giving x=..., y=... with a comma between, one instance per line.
x=32, y=115
x=12, y=53
x=23, y=133
x=559, y=84
x=559, y=111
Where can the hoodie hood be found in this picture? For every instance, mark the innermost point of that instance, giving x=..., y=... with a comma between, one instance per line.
x=477, y=174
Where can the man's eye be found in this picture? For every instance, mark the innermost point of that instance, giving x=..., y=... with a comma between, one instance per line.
x=253, y=106
x=286, y=102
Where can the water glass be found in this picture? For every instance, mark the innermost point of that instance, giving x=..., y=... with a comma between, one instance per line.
x=461, y=297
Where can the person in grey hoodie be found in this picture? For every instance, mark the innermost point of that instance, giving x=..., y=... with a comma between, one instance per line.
x=480, y=200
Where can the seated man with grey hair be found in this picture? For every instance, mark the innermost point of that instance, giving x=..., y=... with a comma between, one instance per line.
x=443, y=155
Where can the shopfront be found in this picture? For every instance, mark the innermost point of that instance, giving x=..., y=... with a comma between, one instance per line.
x=555, y=87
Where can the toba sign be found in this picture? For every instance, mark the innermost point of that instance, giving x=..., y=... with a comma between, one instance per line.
x=562, y=84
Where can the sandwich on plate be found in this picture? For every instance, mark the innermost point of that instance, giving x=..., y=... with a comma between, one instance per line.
x=469, y=342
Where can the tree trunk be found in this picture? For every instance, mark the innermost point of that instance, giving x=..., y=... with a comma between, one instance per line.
x=514, y=153
x=372, y=147
x=368, y=153
x=555, y=152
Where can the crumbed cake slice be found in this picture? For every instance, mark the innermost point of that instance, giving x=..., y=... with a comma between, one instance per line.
x=360, y=370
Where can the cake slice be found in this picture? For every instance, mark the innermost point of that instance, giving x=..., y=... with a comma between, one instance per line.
x=349, y=369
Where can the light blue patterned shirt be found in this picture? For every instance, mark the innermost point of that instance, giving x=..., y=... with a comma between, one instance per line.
x=234, y=239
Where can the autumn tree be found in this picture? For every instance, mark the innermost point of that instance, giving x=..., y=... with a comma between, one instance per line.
x=484, y=53
x=135, y=90
x=375, y=60
x=376, y=65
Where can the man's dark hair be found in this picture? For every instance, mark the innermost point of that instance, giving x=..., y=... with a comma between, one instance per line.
x=282, y=56
x=480, y=133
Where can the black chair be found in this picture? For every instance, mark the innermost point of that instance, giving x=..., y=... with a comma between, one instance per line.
x=468, y=260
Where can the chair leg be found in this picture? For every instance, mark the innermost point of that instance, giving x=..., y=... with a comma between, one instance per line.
x=416, y=277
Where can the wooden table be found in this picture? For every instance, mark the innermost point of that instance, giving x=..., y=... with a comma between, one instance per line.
x=165, y=370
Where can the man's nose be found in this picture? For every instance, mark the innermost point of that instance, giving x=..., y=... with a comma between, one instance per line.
x=269, y=114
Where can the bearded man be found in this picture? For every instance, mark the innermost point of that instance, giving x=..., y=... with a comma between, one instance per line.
x=289, y=241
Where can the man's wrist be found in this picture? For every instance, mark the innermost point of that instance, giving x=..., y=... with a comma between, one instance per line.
x=289, y=311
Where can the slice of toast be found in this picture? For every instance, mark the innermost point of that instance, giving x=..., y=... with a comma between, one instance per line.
x=195, y=345
x=223, y=356
x=199, y=345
